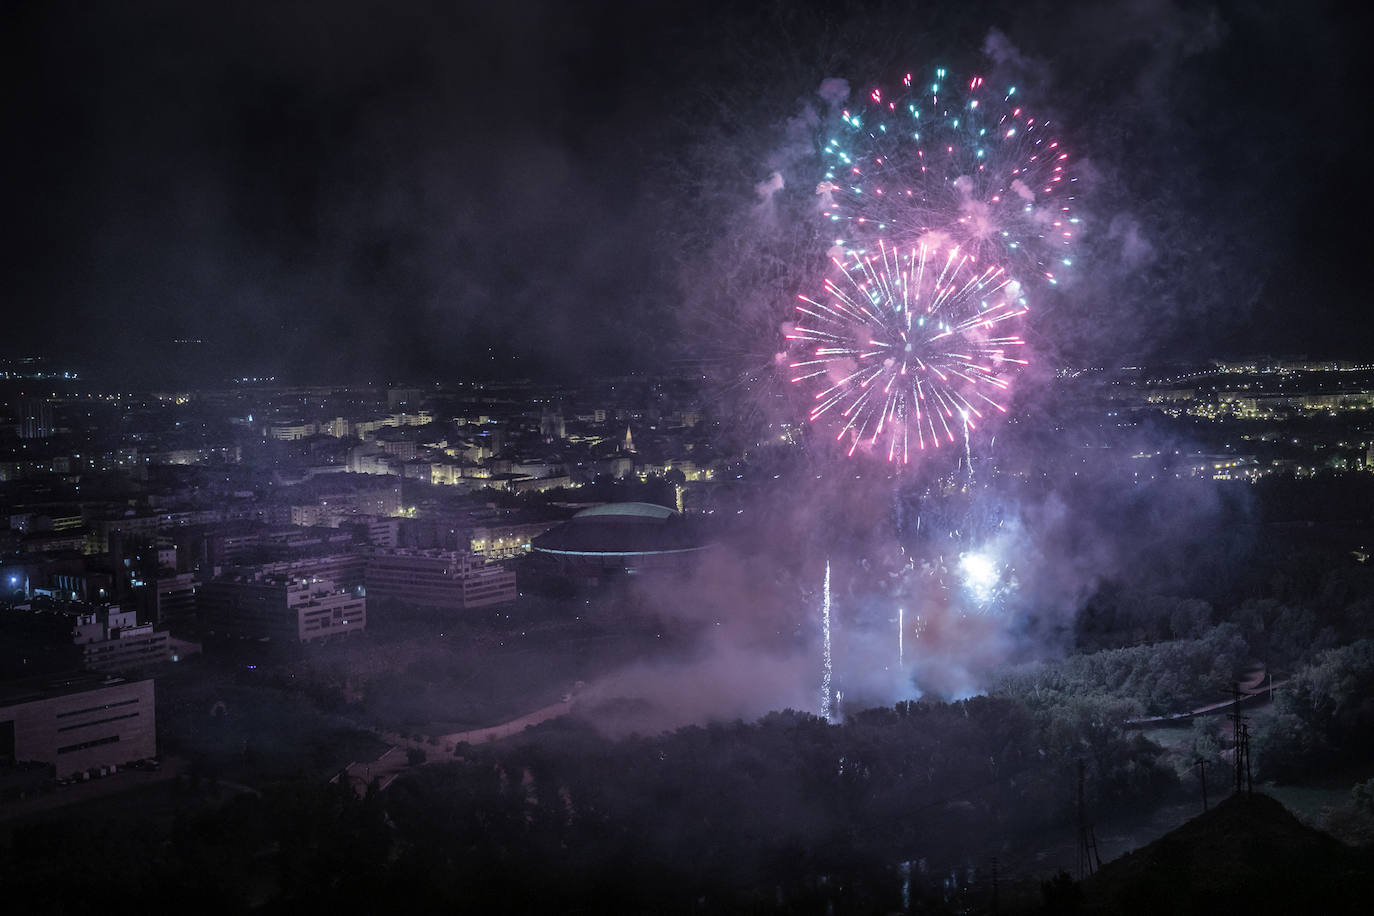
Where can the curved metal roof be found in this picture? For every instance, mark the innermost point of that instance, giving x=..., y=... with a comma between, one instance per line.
x=636, y=510
x=622, y=529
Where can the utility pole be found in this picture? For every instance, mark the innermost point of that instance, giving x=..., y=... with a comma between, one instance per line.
x=1240, y=740
x=1202, y=774
x=1087, y=842
x=1245, y=743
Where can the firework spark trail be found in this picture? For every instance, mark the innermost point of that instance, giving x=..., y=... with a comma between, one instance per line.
x=957, y=159
x=908, y=346
x=968, y=453
x=827, y=671
x=901, y=652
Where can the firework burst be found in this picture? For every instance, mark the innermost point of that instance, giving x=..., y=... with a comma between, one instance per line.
x=959, y=159
x=908, y=349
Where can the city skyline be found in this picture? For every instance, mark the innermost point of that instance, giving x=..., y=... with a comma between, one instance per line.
x=685, y=457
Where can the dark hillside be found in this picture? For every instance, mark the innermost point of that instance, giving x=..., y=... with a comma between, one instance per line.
x=1246, y=855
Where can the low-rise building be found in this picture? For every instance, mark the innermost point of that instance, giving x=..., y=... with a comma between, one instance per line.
x=79, y=724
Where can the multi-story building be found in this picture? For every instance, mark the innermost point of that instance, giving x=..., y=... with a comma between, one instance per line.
x=211, y=454
x=378, y=530
x=173, y=598
x=368, y=459
x=35, y=421
x=77, y=725
x=291, y=430
x=49, y=542
x=345, y=570
x=58, y=520
x=231, y=544
x=114, y=640
x=365, y=428
x=382, y=501
x=502, y=541
x=402, y=450
x=103, y=531
x=456, y=474
x=403, y=397
x=439, y=578
x=312, y=514
x=280, y=606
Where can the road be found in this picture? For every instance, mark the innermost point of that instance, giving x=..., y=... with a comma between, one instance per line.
x=393, y=761
x=1253, y=692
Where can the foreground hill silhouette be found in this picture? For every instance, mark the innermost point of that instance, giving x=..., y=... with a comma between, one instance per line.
x=1247, y=855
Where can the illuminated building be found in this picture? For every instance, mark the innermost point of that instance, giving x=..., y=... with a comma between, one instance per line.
x=365, y=428
x=523, y=484
x=438, y=578
x=500, y=542
x=27, y=522
x=290, y=432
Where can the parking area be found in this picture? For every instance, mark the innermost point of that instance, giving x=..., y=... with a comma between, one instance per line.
x=93, y=784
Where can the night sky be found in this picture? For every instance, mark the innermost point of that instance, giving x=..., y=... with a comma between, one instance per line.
x=350, y=190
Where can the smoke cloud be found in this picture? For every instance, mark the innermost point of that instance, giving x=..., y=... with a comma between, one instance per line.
x=834, y=90
x=770, y=186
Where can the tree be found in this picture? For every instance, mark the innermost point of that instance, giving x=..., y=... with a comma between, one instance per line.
x=1190, y=619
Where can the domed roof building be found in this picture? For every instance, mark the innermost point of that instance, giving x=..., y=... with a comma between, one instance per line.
x=617, y=539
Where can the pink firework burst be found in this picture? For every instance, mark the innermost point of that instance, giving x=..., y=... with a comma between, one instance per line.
x=906, y=347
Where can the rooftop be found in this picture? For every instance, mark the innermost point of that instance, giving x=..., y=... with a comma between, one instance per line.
x=637, y=510
x=622, y=529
